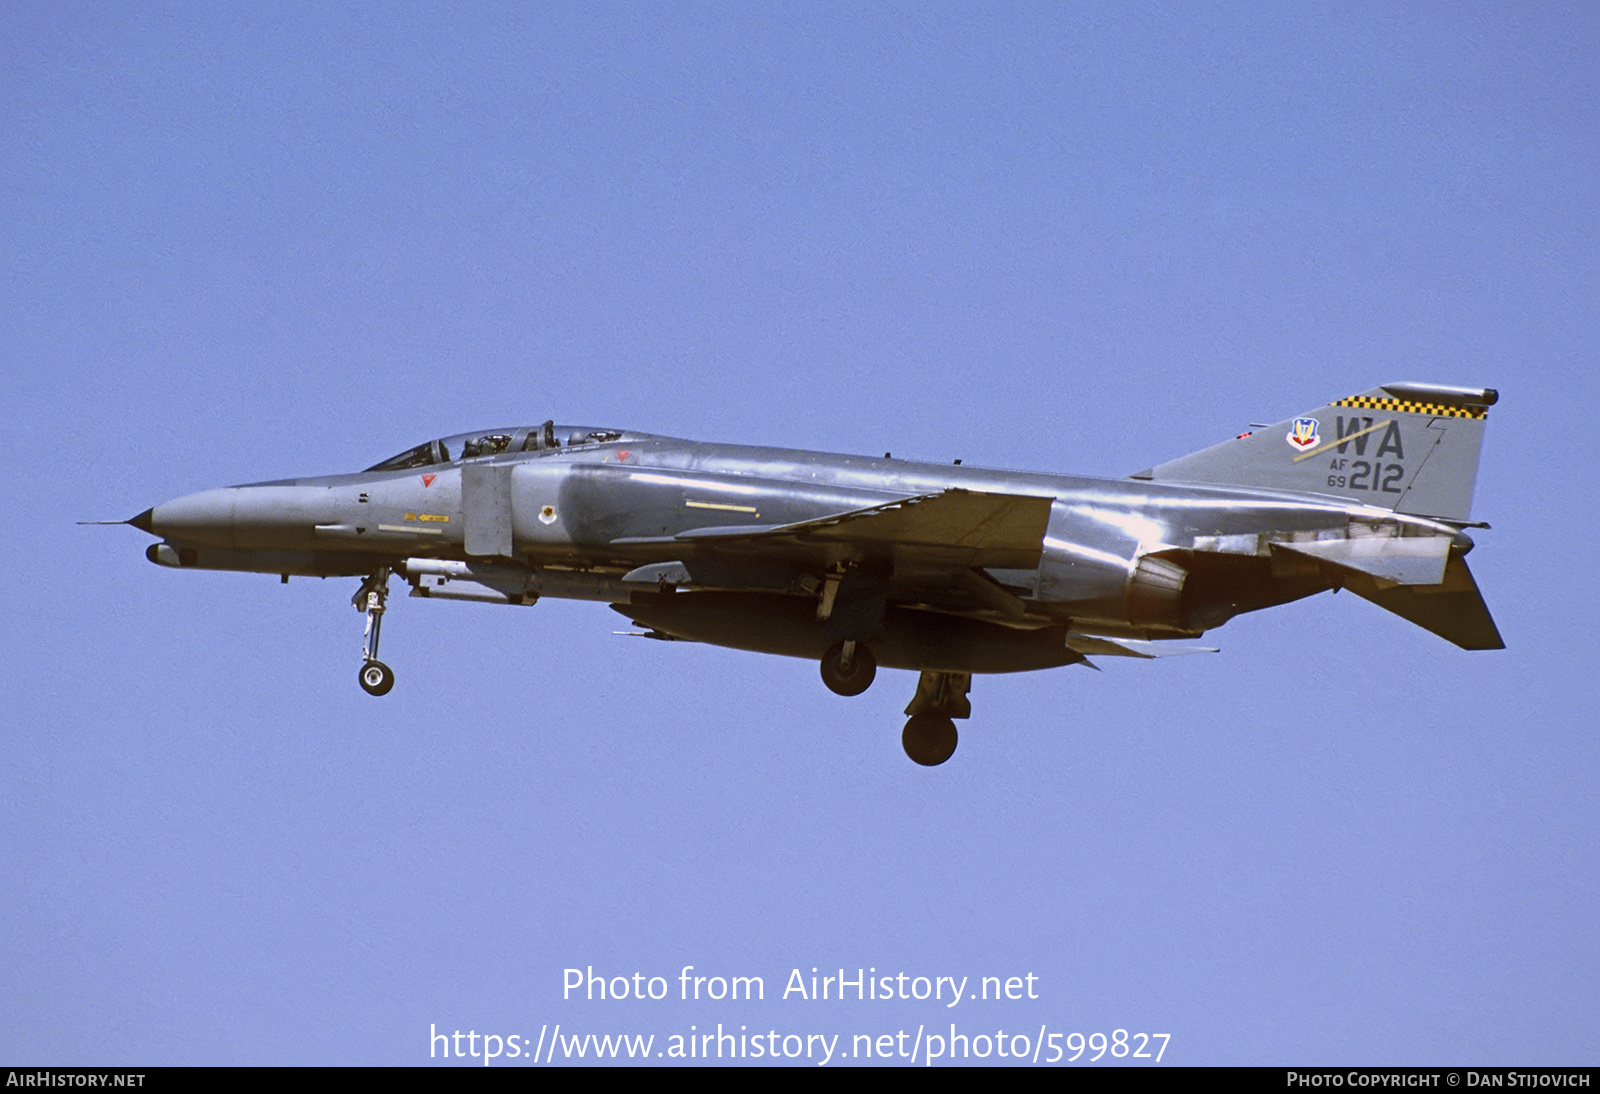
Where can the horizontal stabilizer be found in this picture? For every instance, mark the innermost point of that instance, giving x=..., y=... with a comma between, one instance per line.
x=980, y=529
x=1453, y=609
x=1130, y=647
x=1392, y=560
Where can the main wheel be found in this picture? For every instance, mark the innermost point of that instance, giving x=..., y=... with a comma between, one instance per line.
x=929, y=739
x=852, y=680
x=376, y=678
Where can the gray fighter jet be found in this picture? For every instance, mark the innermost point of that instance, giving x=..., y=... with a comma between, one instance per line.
x=858, y=562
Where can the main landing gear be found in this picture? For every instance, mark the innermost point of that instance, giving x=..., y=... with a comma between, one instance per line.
x=376, y=677
x=848, y=668
x=930, y=736
x=929, y=739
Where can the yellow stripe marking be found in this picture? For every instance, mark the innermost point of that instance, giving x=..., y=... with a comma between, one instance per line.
x=715, y=505
x=1346, y=439
x=1368, y=402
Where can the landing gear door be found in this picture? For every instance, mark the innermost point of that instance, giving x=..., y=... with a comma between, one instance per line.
x=486, y=509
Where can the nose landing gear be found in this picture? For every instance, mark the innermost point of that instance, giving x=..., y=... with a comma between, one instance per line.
x=376, y=677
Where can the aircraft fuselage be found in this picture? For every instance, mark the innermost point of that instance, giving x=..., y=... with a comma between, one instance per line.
x=859, y=561
x=579, y=520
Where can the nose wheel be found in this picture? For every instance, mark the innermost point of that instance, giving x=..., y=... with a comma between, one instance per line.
x=376, y=677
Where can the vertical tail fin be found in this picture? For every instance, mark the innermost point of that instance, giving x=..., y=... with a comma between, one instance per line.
x=1412, y=448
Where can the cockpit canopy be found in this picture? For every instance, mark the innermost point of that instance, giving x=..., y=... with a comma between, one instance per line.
x=466, y=446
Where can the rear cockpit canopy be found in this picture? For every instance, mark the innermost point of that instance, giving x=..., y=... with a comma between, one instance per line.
x=467, y=446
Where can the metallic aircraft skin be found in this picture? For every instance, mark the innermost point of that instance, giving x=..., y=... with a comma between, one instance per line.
x=860, y=562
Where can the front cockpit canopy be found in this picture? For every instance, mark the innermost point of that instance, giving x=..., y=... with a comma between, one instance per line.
x=467, y=446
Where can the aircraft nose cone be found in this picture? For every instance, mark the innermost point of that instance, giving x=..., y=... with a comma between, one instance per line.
x=261, y=516
x=143, y=521
x=204, y=518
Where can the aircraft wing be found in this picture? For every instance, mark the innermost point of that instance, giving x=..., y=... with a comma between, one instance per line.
x=953, y=528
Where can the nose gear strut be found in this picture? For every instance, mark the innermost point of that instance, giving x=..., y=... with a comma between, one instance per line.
x=376, y=677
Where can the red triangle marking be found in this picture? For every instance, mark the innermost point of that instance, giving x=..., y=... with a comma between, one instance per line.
x=427, y=480
x=623, y=454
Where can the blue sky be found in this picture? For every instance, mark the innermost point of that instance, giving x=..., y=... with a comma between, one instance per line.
x=256, y=242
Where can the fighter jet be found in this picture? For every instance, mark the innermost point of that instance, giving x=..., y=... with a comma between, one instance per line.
x=857, y=562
